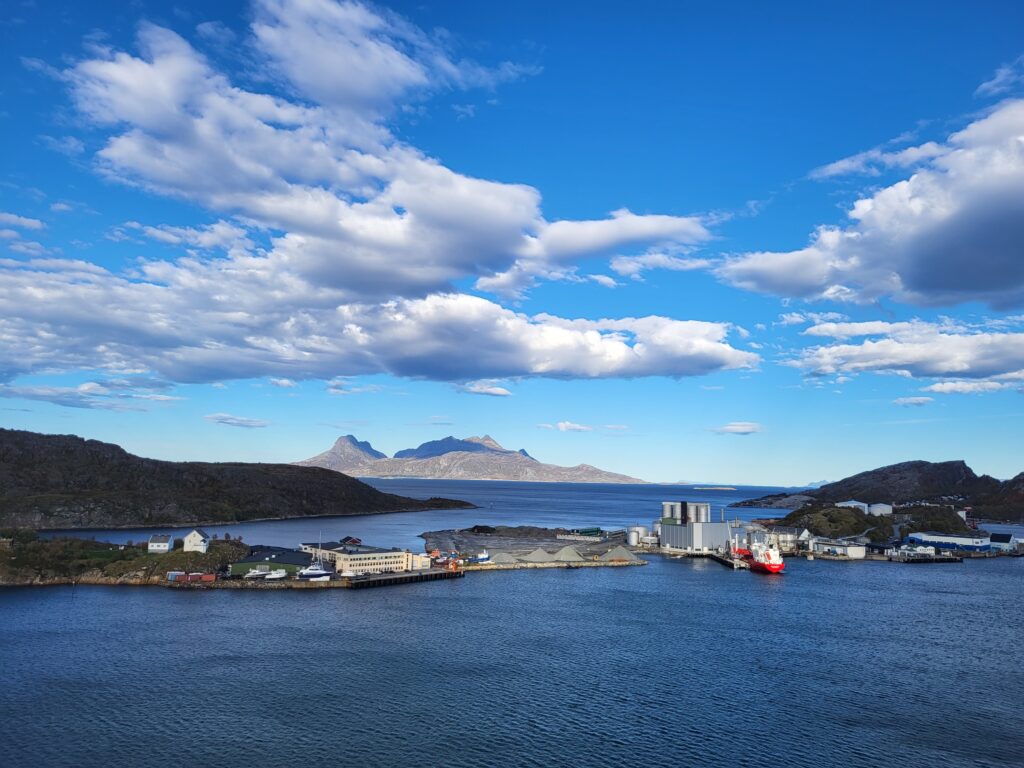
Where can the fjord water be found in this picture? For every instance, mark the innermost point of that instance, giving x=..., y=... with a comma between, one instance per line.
x=682, y=663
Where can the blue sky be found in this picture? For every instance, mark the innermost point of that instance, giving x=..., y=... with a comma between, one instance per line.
x=725, y=242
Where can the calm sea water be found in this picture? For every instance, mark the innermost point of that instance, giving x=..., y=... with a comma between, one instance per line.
x=678, y=663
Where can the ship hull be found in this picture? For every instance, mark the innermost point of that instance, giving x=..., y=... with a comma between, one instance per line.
x=766, y=567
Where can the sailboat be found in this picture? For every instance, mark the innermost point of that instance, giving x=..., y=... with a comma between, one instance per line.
x=315, y=571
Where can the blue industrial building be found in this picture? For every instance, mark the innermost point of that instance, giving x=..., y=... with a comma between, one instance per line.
x=952, y=542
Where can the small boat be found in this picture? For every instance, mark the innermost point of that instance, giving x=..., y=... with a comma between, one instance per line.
x=256, y=573
x=315, y=571
x=276, y=575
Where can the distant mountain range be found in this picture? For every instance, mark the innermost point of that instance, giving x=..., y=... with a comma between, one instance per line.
x=63, y=481
x=452, y=458
x=949, y=481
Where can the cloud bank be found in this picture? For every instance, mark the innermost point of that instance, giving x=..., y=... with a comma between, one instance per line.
x=333, y=246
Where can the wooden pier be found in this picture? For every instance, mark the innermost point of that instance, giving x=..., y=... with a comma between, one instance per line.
x=928, y=559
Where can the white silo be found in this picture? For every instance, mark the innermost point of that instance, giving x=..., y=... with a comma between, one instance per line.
x=632, y=537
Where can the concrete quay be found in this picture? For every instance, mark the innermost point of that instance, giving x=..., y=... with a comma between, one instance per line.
x=725, y=560
x=570, y=566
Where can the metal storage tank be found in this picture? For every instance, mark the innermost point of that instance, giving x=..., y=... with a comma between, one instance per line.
x=632, y=537
x=666, y=509
x=643, y=530
x=700, y=512
x=657, y=527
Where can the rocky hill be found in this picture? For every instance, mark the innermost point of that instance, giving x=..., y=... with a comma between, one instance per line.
x=909, y=481
x=948, y=481
x=451, y=458
x=63, y=481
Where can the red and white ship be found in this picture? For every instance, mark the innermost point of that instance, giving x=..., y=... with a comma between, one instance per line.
x=763, y=556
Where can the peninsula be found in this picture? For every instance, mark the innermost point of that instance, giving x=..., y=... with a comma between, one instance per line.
x=951, y=483
x=64, y=481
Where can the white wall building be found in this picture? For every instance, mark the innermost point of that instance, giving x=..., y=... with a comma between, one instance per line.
x=909, y=551
x=839, y=548
x=1004, y=542
x=160, y=543
x=197, y=541
x=360, y=559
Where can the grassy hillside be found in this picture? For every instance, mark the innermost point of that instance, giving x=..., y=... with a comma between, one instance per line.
x=63, y=481
x=35, y=558
x=840, y=522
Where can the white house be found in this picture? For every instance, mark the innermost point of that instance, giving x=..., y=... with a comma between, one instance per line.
x=910, y=551
x=879, y=509
x=855, y=504
x=839, y=548
x=160, y=543
x=197, y=541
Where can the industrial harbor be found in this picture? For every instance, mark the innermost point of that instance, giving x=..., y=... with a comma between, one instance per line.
x=684, y=530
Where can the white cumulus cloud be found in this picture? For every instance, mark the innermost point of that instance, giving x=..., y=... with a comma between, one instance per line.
x=966, y=387
x=952, y=232
x=968, y=358
x=739, y=428
x=366, y=234
x=485, y=388
x=568, y=426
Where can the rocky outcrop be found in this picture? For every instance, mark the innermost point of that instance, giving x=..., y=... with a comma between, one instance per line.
x=63, y=481
x=472, y=458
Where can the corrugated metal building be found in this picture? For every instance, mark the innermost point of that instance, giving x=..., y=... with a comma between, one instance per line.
x=952, y=542
x=696, y=536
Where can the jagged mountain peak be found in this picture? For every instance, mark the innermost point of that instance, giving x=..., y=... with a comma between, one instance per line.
x=449, y=444
x=346, y=441
x=486, y=440
x=471, y=458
